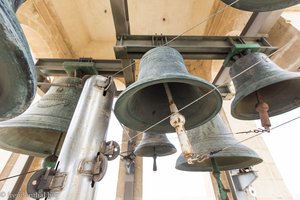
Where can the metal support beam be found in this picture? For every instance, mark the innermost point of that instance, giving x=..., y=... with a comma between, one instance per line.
x=190, y=47
x=119, y=10
x=81, y=156
x=55, y=66
x=260, y=23
x=129, y=72
x=121, y=20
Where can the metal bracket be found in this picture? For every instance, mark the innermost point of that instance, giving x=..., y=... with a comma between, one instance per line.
x=57, y=183
x=129, y=158
x=112, y=150
x=244, y=178
x=190, y=47
x=42, y=182
x=84, y=66
x=94, y=168
x=238, y=49
x=223, y=75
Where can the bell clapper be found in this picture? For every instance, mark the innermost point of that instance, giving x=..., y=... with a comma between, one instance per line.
x=177, y=120
x=262, y=108
x=51, y=160
x=154, y=160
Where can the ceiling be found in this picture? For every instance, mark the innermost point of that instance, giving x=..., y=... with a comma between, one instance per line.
x=80, y=28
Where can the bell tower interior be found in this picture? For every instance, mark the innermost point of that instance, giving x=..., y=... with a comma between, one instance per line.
x=190, y=90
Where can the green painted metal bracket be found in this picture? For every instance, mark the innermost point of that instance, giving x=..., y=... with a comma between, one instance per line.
x=80, y=68
x=237, y=49
x=217, y=175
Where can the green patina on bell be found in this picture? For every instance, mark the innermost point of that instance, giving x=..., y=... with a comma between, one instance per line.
x=160, y=142
x=49, y=162
x=280, y=89
x=261, y=5
x=214, y=136
x=17, y=70
x=145, y=102
x=154, y=145
x=37, y=131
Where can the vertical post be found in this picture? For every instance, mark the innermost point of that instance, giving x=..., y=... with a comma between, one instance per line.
x=85, y=139
x=8, y=168
x=130, y=179
x=129, y=174
x=217, y=173
x=17, y=187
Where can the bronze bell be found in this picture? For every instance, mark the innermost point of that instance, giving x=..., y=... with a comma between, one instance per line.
x=211, y=137
x=280, y=89
x=37, y=131
x=261, y=5
x=17, y=70
x=154, y=145
x=15, y=4
x=145, y=102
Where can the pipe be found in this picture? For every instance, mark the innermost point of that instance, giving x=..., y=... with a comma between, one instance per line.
x=85, y=138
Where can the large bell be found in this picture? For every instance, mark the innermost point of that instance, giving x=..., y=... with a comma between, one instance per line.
x=261, y=5
x=154, y=145
x=17, y=70
x=145, y=102
x=37, y=131
x=280, y=89
x=214, y=136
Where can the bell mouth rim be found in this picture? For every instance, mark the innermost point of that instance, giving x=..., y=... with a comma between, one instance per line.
x=260, y=7
x=248, y=87
x=166, y=78
x=158, y=154
x=24, y=125
x=171, y=150
x=205, y=167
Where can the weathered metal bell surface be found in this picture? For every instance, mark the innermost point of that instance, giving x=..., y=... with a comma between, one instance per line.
x=17, y=70
x=145, y=102
x=37, y=131
x=214, y=136
x=152, y=143
x=49, y=162
x=262, y=5
x=15, y=4
x=280, y=89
